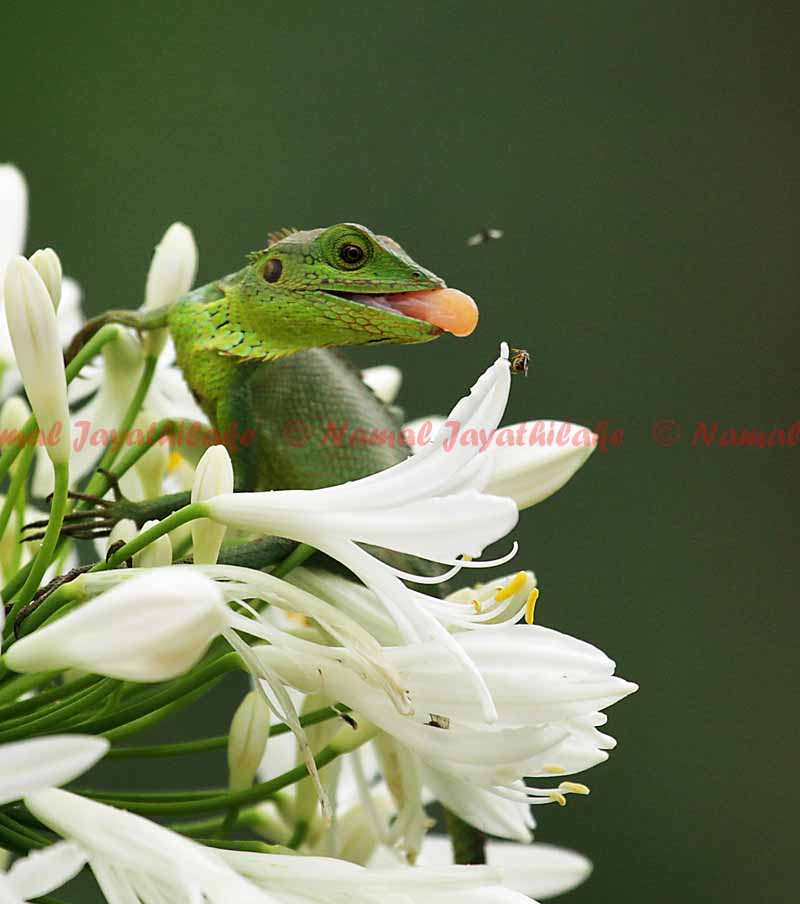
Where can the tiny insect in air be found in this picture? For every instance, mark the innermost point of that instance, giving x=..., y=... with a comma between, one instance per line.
x=520, y=360
x=485, y=235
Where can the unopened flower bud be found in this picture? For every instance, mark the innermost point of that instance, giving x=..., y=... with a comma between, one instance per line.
x=48, y=266
x=148, y=628
x=157, y=554
x=213, y=477
x=247, y=741
x=33, y=329
x=171, y=275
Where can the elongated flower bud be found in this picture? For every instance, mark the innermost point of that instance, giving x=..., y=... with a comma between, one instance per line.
x=37, y=347
x=247, y=741
x=157, y=554
x=171, y=275
x=48, y=265
x=213, y=477
x=149, y=628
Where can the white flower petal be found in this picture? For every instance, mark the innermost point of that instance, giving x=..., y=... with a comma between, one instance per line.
x=43, y=871
x=532, y=469
x=44, y=762
x=537, y=870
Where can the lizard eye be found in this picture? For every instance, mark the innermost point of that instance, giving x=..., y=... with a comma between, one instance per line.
x=272, y=270
x=352, y=255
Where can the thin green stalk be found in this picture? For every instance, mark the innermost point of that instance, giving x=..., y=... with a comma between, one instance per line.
x=16, y=837
x=45, y=554
x=176, y=519
x=14, y=689
x=57, y=715
x=296, y=557
x=15, y=488
x=152, y=718
x=225, y=801
x=135, y=405
x=173, y=691
x=218, y=742
x=46, y=700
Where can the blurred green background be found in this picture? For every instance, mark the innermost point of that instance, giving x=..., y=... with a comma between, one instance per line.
x=642, y=159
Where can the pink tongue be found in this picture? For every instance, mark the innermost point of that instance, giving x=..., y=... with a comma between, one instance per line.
x=449, y=309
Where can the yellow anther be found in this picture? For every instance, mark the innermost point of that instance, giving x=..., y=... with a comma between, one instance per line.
x=531, y=605
x=516, y=583
x=174, y=462
x=573, y=788
x=553, y=769
x=465, y=557
x=476, y=606
x=558, y=797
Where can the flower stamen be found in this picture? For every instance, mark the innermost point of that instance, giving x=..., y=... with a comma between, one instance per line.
x=531, y=605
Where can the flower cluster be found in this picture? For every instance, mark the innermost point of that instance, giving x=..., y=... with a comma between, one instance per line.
x=369, y=701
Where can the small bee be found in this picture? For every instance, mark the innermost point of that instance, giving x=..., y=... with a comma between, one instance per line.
x=485, y=235
x=520, y=360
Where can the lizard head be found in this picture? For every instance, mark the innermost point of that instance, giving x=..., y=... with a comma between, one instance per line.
x=344, y=285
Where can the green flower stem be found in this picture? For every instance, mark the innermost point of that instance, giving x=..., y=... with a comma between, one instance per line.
x=17, y=837
x=40, y=701
x=169, y=693
x=161, y=713
x=58, y=714
x=219, y=742
x=12, y=690
x=225, y=801
x=17, y=485
x=112, y=450
x=48, y=547
x=176, y=519
x=296, y=557
x=89, y=351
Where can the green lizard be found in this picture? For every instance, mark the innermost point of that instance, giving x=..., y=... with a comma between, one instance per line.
x=257, y=350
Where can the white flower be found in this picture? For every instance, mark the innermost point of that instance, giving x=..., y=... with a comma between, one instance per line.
x=548, y=689
x=213, y=477
x=33, y=329
x=41, y=872
x=537, y=870
x=247, y=740
x=131, y=856
x=151, y=628
x=45, y=762
x=13, y=228
x=172, y=272
x=532, y=459
x=430, y=506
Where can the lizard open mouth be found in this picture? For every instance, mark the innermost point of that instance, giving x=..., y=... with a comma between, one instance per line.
x=448, y=309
